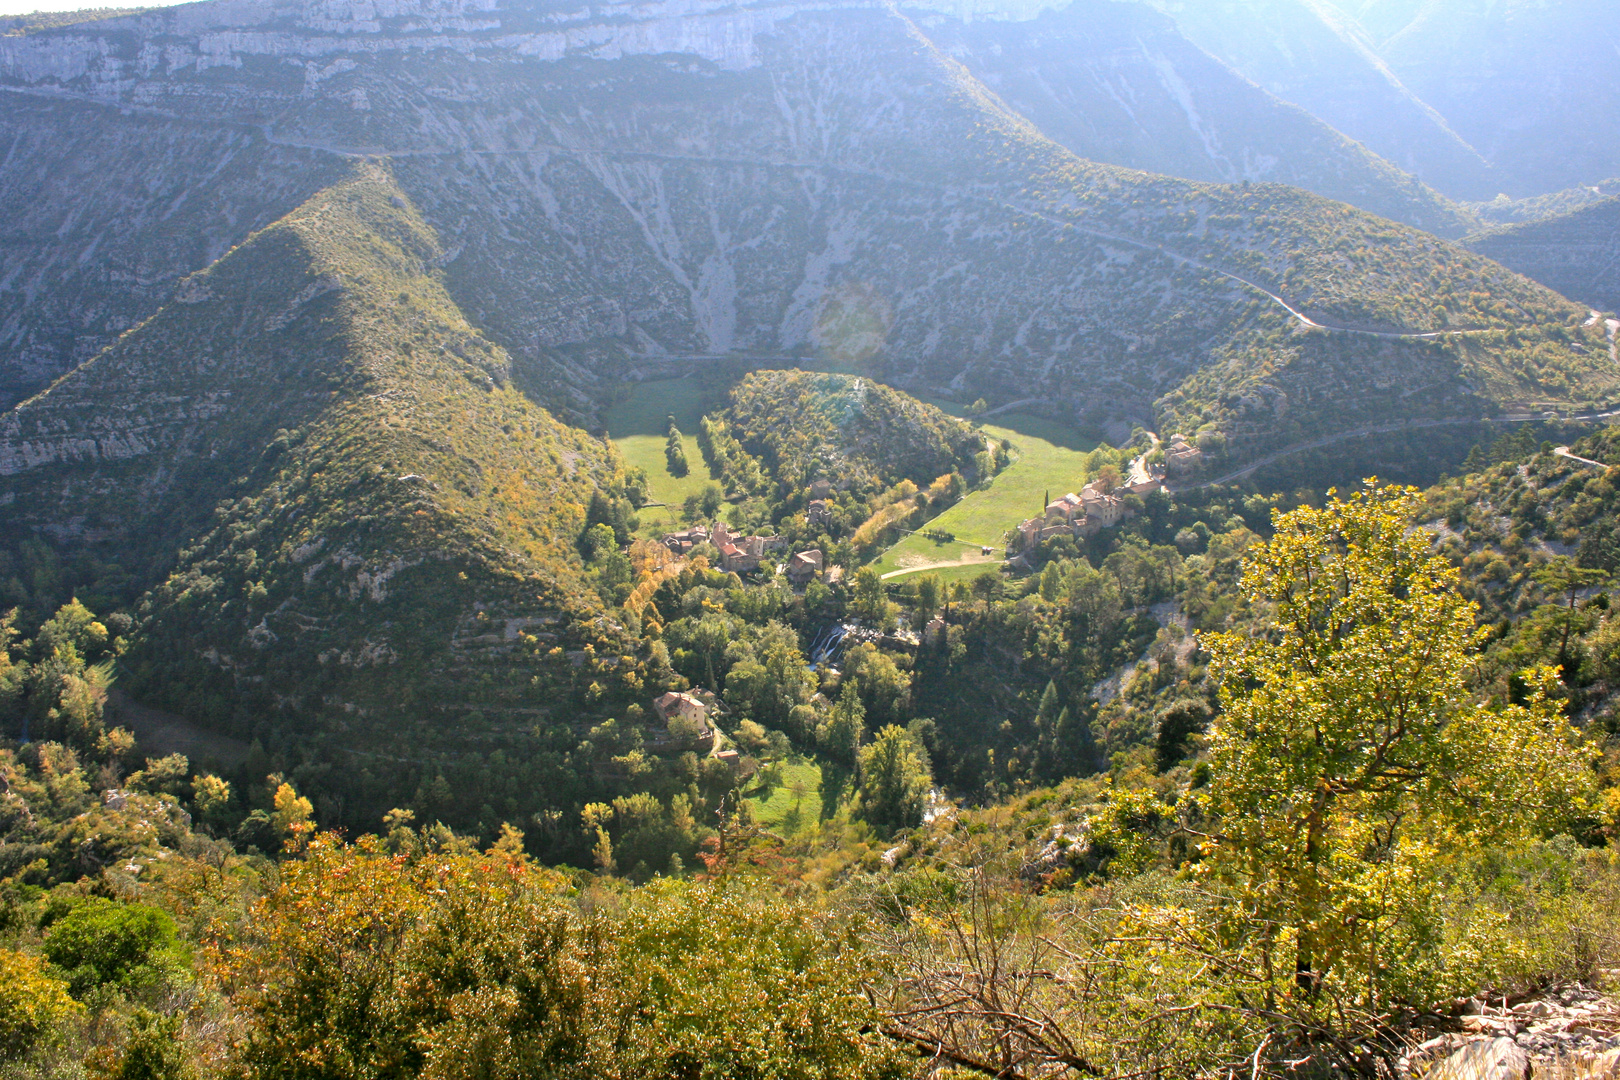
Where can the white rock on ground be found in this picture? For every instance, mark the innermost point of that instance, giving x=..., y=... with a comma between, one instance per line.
x=1566, y=1033
x=1484, y=1059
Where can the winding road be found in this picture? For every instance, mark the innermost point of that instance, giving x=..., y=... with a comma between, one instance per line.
x=1385, y=429
x=267, y=132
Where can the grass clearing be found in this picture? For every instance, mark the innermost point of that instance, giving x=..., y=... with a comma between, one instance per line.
x=1051, y=459
x=800, y=789
x=637, y=425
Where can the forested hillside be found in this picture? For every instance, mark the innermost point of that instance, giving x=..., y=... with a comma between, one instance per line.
x=756, y=541
x=850, y=431
x=164, y=917
x=338, y=502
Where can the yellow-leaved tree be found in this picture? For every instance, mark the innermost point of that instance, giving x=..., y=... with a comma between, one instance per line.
x=1351, y=757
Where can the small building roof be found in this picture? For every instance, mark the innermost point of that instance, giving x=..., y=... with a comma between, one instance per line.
x=672, y=702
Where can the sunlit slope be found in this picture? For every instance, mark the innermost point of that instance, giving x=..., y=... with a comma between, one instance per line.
x=344, y=507
x=1530, y=84
x=1119, y=83
x=831, y=183
x=1324, y=60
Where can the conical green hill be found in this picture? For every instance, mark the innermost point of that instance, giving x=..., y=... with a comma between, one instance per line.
x=351, y=525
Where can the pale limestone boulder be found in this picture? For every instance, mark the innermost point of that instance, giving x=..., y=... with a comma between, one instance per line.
x=1484, y=1059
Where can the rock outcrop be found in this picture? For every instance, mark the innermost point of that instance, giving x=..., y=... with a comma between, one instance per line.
x=1566, y=1033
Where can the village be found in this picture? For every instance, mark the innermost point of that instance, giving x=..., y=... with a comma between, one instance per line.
x=686, y=716
x=745, y=554
x=1101, y=506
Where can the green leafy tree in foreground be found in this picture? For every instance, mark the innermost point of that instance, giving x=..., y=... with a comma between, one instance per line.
x=361, y=965
x=102, y=942
x=1350, y=757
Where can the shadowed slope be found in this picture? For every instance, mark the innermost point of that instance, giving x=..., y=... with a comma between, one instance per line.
x=370, y=520
x=1577, y=253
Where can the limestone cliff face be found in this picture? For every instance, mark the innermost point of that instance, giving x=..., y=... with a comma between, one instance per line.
x=623, y=187
x=140, y=149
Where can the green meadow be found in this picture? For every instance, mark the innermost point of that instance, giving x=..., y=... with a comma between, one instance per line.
x=637, y=425
x=1051, y=458
x=800, y=787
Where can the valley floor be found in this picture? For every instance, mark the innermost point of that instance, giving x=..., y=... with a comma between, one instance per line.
x=638, y=426
x=1051, y=461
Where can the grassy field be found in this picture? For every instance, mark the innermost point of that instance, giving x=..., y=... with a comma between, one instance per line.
x=637, y=426
x=1051, y=459
x=801, y=787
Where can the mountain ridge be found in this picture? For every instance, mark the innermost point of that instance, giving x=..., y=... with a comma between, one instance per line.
x=345, y=481
x=620, y=212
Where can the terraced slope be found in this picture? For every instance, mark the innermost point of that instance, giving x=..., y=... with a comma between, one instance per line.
x=348, y=514
x=1576, y=253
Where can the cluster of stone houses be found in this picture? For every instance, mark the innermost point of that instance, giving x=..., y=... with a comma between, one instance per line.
x=738, y=554
x=741, y=554
x=1085, y=514
x=1182, y=458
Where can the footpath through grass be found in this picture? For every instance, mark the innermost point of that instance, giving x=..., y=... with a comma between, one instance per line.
x=637, y=426
x=1051, y=459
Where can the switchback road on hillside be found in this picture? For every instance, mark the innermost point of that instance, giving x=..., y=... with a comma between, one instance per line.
x=267, y=131
x=1385, y=429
